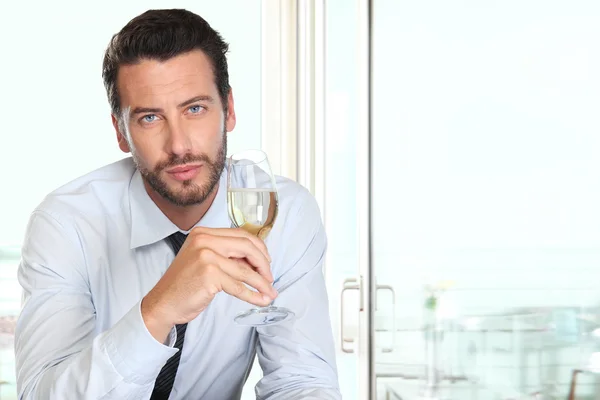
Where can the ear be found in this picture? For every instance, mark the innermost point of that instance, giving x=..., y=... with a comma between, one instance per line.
x=230, y=117
x=121, y=139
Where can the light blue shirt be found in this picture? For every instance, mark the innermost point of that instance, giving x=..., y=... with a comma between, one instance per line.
x=95, y=247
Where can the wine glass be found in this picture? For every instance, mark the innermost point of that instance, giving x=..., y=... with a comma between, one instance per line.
x=252, y=204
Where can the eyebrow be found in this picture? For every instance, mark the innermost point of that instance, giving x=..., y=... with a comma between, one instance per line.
x=140, y=110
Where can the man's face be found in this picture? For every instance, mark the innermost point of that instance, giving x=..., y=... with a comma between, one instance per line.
x=174, y=125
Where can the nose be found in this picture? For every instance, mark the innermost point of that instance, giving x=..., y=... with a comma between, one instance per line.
x=179, y=142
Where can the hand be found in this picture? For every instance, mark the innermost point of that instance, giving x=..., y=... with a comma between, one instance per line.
x=210, y=261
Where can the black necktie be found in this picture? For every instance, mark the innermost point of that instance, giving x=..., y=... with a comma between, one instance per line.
x=165, y=379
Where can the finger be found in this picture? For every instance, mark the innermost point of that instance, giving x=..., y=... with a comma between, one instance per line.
x=236, y=247
x=243, y=272
x=238, y=269
x=243, y=250
x=238, y=289
x=236, y=232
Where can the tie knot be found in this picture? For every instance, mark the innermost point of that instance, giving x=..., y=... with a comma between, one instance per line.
x=176, y=240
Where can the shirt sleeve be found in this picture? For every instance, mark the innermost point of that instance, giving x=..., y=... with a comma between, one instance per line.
x=298, y=356
x=58, y=352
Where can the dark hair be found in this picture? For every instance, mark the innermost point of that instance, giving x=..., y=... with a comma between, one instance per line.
x=161, y=35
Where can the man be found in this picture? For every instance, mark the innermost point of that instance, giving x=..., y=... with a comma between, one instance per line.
x=110, y=298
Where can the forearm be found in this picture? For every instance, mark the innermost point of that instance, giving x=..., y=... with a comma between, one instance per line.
x=121, y=362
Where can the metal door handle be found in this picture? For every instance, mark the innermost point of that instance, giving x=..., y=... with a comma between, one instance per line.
x=349, y=284
x=393, y=292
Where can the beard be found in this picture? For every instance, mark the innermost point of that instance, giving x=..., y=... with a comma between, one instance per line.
x=191, y=193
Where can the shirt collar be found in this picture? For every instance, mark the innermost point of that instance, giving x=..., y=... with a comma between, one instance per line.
x=148, y=223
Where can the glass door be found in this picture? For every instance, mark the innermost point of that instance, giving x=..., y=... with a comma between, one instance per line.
x=485, y=199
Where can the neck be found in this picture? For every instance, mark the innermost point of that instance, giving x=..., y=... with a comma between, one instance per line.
x=184, y=217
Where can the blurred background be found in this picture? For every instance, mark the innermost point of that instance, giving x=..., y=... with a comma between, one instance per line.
x=453, y=147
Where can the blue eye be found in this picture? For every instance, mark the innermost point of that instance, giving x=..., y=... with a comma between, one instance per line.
x=195, y=109
x=149, y=118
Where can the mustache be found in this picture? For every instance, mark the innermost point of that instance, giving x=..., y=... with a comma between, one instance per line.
x=175, y=160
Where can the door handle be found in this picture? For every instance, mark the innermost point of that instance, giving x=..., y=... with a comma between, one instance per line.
x=393, y=292
x=349, y=284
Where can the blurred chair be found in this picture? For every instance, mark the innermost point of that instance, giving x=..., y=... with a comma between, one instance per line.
x=593, y=368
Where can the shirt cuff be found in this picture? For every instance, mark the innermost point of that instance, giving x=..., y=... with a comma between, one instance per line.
x=134, y=352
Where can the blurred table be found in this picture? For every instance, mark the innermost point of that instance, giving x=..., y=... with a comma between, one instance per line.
x=576, y=372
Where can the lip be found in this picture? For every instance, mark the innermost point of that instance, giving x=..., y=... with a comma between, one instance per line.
x=184, y=172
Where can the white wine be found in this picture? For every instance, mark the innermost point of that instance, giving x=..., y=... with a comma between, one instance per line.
x=253, y=210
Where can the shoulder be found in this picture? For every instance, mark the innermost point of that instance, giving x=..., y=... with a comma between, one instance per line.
x=75, y=218
x=298, y=241
x=98, y=192
x=296, y=201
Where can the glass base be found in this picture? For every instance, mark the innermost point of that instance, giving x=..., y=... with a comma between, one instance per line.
x=264, y=316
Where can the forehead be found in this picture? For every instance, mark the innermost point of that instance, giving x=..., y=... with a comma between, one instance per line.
x=151, y=81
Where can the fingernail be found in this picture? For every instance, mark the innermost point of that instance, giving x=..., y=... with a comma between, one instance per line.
x=266, y=298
